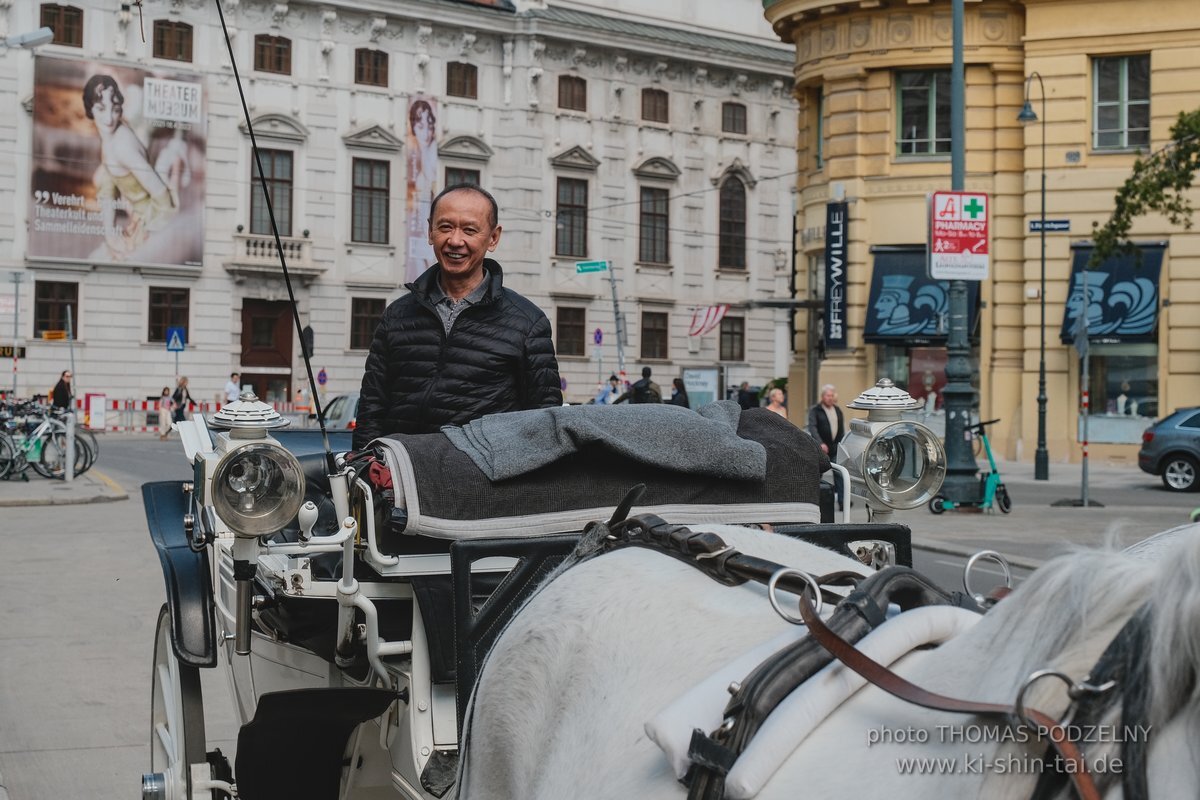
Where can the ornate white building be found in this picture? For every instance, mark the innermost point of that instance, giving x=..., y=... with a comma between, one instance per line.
x=664, y=147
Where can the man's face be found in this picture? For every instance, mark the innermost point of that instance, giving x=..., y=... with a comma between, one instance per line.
x=461, y=233
x=828, y=397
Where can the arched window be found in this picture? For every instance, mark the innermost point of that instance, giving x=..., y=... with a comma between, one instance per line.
x=732, y=234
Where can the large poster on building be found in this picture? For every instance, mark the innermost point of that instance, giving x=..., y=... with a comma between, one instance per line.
x=422, y=182
x=118, y=163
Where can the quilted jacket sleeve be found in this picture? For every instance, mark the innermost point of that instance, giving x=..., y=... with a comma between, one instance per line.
x=373, y=401
x=542, y=385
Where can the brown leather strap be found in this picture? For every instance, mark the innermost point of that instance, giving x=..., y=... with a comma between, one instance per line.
x=896, y=686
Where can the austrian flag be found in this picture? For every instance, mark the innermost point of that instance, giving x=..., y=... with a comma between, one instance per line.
x=705, y=319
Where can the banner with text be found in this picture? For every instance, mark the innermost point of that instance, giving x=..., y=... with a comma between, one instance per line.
x=837, y=237
x=118, y=163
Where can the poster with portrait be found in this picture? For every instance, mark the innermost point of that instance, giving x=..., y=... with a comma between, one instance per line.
x=118, y=163
x=422, y=182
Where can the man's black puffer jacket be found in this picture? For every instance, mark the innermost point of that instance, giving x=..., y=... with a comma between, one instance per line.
x=498, y=357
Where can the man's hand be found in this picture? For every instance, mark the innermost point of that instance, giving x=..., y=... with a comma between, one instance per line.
x=824, y=448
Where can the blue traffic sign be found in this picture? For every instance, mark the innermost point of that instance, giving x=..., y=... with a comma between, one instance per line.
x=322, y=378
x=176, y=339
x=598, y=336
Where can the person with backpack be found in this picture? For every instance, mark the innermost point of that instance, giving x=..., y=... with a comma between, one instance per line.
x=643, y=391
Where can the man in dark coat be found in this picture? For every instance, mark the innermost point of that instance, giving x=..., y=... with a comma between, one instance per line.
x=60, y=396
x=643, y=391
x=827, y=426
x=460, y=345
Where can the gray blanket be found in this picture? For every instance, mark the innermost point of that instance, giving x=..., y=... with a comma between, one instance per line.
x=703, y=442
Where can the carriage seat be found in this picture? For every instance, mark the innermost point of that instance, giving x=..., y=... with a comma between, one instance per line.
x=440, y=492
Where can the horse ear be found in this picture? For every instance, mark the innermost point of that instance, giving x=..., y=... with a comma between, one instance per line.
x=621, y=513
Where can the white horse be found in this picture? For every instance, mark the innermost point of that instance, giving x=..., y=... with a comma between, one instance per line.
x=562, y=704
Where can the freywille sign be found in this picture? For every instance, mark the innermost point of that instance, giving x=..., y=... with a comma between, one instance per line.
x=836, y=235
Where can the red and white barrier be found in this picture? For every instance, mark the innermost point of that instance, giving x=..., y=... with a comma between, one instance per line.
x=133, y=416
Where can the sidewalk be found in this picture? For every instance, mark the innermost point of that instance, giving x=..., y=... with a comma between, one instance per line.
x=91, y=487
x=1037, y=530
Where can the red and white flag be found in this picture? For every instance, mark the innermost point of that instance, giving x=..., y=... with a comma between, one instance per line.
x=705, y=319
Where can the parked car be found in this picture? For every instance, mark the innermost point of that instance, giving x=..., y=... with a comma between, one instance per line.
x=1171, y=449
x=341, y=413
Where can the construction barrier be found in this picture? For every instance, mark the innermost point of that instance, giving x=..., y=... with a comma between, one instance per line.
x=141, y=416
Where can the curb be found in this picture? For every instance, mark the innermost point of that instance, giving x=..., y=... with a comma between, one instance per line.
x=84, y=497
x=962, y=552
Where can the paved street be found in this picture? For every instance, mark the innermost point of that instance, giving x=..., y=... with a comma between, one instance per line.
x=82, y=588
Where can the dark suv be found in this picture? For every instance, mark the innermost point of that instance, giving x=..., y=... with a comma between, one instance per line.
x=1171, y=448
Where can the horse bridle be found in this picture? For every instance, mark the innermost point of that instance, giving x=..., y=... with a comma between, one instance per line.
x=713, y=755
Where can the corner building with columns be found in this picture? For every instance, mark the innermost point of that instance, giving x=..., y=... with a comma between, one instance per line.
x=873, y=85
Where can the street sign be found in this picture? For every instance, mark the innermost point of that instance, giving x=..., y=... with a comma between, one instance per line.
x=6, y=351
x=958, y=236
x=176, y=339
x=598, y=337
x=583, y=267
x=322, y=378
x=1064, y=225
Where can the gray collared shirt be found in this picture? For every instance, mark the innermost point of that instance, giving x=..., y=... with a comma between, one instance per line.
x=449, y=309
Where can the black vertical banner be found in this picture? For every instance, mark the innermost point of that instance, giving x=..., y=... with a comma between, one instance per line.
x=837, y=235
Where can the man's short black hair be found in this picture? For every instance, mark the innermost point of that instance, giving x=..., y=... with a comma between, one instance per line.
x=645, y=372
x=469, y=187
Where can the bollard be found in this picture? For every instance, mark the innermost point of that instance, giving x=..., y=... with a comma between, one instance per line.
x=69, y=471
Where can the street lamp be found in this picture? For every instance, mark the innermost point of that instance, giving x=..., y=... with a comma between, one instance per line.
x=1041, y=458
x=30, y=40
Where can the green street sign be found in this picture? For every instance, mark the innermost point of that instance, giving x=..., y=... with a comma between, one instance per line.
x=582, y=267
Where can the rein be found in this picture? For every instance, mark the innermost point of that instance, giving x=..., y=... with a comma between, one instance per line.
x=862, y=610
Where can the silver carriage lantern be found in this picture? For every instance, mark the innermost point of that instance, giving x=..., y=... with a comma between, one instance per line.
x=893, y=463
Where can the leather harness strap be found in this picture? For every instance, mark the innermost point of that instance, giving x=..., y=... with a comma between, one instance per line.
x=897, y=686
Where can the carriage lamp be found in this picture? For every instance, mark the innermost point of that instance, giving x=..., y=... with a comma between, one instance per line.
x=257, y=486
x=893, y=463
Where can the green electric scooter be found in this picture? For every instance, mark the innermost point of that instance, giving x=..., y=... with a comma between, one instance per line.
x=993, y=492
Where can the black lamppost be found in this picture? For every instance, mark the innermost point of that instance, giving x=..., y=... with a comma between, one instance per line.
x=1041, y=457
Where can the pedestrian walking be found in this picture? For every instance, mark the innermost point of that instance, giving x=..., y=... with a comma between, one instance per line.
x=166, y=405
x=679, y=395
x=746, y=397
x=61, y=394
x=233, y=389
x=643, y=391
x=776, y=402
x=182, y=398
x=828, y=427
x=609, y=392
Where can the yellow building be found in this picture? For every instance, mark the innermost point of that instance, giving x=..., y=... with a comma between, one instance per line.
x=873, y=83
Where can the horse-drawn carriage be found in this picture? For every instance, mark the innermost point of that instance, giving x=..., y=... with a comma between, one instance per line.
x=531, y=606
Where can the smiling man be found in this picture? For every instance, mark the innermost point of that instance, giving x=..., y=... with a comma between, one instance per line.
x=459, y=345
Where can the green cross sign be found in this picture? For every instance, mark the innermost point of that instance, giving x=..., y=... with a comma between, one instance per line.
x=973, y=208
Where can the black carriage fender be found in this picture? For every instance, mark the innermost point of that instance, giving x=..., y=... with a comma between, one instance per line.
x=186, y=575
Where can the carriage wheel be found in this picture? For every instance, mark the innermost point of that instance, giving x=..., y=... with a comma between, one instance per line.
x=176, y=715
x=937, y=505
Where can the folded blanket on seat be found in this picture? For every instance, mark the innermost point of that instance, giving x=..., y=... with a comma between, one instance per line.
x=703, y=442
x=439, y=490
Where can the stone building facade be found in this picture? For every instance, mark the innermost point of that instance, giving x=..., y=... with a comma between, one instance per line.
x=872, y=81
x=665, y=148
